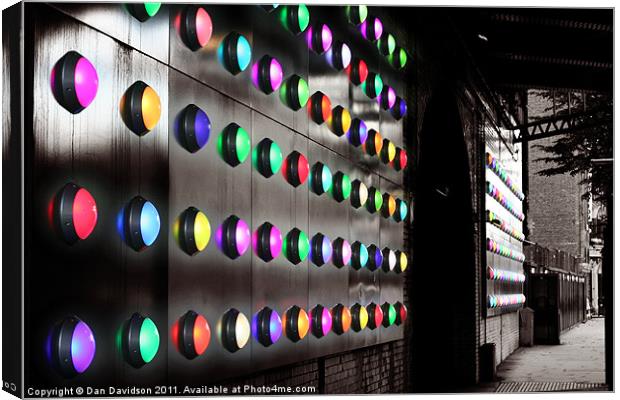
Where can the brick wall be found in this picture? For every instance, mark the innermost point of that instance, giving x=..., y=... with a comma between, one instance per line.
x=503, y=330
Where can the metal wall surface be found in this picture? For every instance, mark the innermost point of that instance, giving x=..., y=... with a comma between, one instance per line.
x=103, y=281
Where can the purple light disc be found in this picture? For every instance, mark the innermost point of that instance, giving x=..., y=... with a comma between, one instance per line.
x=275, y=242
x=378, y=28
x=363, y=29
x=242, y=236
x=82, y=347
x=275, y=74
x=86, y=82
x=326, y=321
x=219, y=238
x=391, y=97
x=346, y=252
x=378, y=258
x=275, y=327
x=202, y=127
x=326, y=37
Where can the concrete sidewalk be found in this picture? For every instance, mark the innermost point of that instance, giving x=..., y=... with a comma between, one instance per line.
x=579, y=359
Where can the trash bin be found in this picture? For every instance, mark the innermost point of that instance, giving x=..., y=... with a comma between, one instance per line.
x=526, y=327
x=488, y=369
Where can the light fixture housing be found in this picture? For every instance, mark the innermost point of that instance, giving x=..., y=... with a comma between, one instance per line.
x=358, y=134
x=296, y=169
x=268, y=157
x=140, y=108
x=296, y=246
x=295, y=323
x=234, y=144
x=339, y=55
x=401, y=210
x=389, y=314
x=319, y=107
x=235, y=53
x=387, y=44
x=194, y=231
x=388, y=151
x=400, y=159
x=267, y=242
x=74, y=213
x=143, y=11
x=193, y=128
x=375, y=316
x=339, y=121
x=375, y=200
x=388, y=207
x=374, y=143
x=71, y=347
x=387, y=97
x=399, y=109
x=267, y=74
x=401, y=313
x=233, y=237
x=401, y=261
x=341, y=187
x=359, y=193
x=191, y=334
x=321, y=249
x=375, y=258
x=294, y=92
x=266, y=326
x=341, y=252
x=389, y=259
x=357, y=14
x=140, y=340
x=357, y=71
x=398, y=58
x=341, y=319
x=319, y=38
x=74, y=82
x=195, y=27
x=372, y=28
x=320, y=321
x=359, y=255
x=235, y=330
x=372, y=85
x=321, y=178
x=359, y=317
x=141, y=223
x=296, y=18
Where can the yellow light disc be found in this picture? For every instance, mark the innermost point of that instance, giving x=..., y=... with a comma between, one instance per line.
x=151, y=108
x=403, y=262
x=391, y=151
x=202, y=231
x=391, y=205
x=363, y=317
x=303, y=323
x=346, y=120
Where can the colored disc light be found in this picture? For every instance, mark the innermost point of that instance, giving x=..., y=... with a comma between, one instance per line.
x=401, y=210
x=319, y=107
x=374, y=143
x=401, y=313
x=140, y=108
x=341, y=319
x=388, y=151
x=375, y=258
x=267, y=242
x=266, y=326
x=195, y=27
x=141, y=223
x=387, y=97
x=339, y=55
x=235, y=330
x=372, y=28
x=233, y=237
x=373, y=85
x=357, y=71
x=295, y=17
x=235, y=53
x=319, y=38
x=267, y=74
x=389, y=260
x=268, y=157
x=140, y=340
x=143, y=11
x=71, y=347
x=74, y=82
x=358, y=134
x=339, y=121
x=320, y=249
x=320, y=178
x=296, y=169
x=375, y=316
x=341, y=188
x=194, y=231
x=359, y=317
x=341, y=252
x=389, y=313
x=295, y=323
x=357, y=14
x=74, y=213
x=193, y=128
x=296, y=246
x=234, y=144
x=401, y=261
x=398, y=58
x=375, y=200
x=389, y=205
x=359, y=255
x=191, y=334
x=387, y=44
x=399, y=109
x=359, y=193
x=294, y=93
x=320, y=321
x=400, y=159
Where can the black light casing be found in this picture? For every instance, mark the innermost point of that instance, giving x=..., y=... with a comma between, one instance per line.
x=355, y=255
x=63, y=213
x=292, y=92
x=316, y=322
x=292, y=325
x=64, y=82
x=316, y=244
x=229, y=237
x=263, y=162
x=131, y=225
x=292, y=168
x=131, y=112
x=186, y=231
x=263, y=320
x=187, y=128
x=316, y=109
x=355, y=317
x=372, y=251
x=188, y=27
x=263, y=239
x=385, y=307
x=355, y=193
x=264, y=80
x=337, y=187
x=386, y=259
x=372, y=309
x=131, y=340
x=61, y=339
x=229, y=331
x=336, y=312
x=337, y=120
x=292, y=244
x=186, y=335
x=229, y=144
x=337, y=252
x=317, y=178
x=231, y=61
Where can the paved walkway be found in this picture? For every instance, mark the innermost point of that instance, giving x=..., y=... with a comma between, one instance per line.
x=579, y=359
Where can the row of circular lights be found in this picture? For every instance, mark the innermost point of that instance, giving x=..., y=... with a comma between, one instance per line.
x=504, y=251
x=505, y=300
x=496, y=274
x=504, y=226
x=498, y=196
x=494, y=165
x=71, y=346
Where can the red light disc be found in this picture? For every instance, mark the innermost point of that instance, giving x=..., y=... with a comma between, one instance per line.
x=302, y=168
x=378, y=316
x=204, y=27
x=202, y=334
x=84, y=213
x=326, y=108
